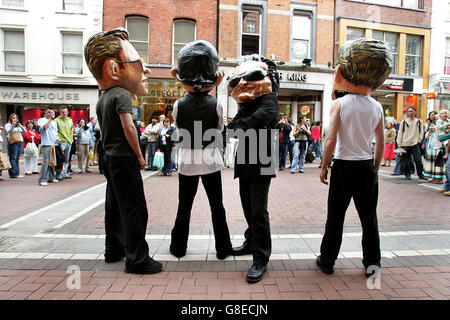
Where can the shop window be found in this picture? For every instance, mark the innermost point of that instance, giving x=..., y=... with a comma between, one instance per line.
x=301, y=36
x=73, y=5
x=251, y=32
x=355, y=33
x=413, y=55
x=13, y=3
x=392, y=39
x=13, y=50
x=72, y=53
x=183, y=33
x=447, y=57
x=137, y=27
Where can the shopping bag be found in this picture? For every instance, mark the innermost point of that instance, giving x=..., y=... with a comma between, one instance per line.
x=31, y=150
x=91, y=154
x=158, y=160
x=52, y=159
x=4, y=161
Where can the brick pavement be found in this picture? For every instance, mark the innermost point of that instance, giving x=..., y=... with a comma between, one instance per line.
x=297, y=204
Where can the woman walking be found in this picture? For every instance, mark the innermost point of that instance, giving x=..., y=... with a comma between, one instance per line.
x=31, y=139
x=389, y=146
x=84, y=141
x=14, y=129
x=433, y=169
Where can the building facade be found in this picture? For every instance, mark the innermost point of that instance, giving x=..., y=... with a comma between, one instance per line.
x=298, y=36
x=406, y=26
x=440, y=57
x=42, y=60
x=158, y=30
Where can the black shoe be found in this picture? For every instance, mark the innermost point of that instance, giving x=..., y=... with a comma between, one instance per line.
x=422, y=178
x=325, y=269
x=154, y=169
x=224, y=254
x=178, y=254
x=111, y=258
x=242, y=250
x=147, y=169
x=152, y=267
x=370, y=273
x=256, y=273
x=395, y=174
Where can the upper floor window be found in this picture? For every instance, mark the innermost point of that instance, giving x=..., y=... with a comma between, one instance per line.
x=13, y=50
x=138, y=30
x=447, y=57
x=73, y=5
x=183, y=33
x=391, y=39
x=410, y=4
x=301, y=37
x=355, y=33
x=13, y=3
x=251, y=32
x=72, y=53
x=413, y=55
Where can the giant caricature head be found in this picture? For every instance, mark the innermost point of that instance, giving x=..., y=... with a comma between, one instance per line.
x=198, y=62
x=253, y=77
x=113, y=61
x=362, y=63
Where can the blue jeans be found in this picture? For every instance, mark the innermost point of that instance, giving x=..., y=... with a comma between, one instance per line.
x=151, y=153
x=283, y=152
x=317, y=146
x=14, y=152
x=66, y=149
x=415, y=152
x=291, y=150
x=447, y=175
x=299, y=156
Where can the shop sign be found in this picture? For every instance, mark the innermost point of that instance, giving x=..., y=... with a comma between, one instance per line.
x=293, y=76
x=45, y=96
x=167, y=93
x=305, y=110
x=398, y=84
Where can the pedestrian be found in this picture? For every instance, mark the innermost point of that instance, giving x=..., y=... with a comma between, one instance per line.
x=363, y=66
x=85, y=141
x=65, y=133
x=14, y=129
x=301, y=133
x=284, y=131
x=433, y=151
x=31, y=152
x=165, y=146
x=49, y=139
x=316, y=135
x=95, y=128
x=410, y=136
x=254, y=85
x=151, y=133
x=291, y=142
x=120, y=73
x=199, y=158
x=389, y=146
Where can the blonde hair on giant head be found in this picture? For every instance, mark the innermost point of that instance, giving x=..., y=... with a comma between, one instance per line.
x=365, y=62
x=101, y=46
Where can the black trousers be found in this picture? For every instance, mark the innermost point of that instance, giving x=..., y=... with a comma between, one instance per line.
x=254, y=198
x=357, y=180
x=101, y=153
x=188, y=186
x=126, y=212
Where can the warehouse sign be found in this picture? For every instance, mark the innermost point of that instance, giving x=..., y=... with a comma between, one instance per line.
x=47, y=95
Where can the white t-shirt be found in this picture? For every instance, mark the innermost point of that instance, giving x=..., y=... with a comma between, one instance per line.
x=360, y=115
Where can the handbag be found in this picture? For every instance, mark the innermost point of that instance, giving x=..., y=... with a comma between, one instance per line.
x=52, y=159
x=31, y=150
x=14, y=138
x=158, y=160
x=4, y=161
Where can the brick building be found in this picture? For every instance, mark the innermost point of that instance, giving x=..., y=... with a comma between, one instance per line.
x=288, y=32
x=158, y=30
x=406, y=26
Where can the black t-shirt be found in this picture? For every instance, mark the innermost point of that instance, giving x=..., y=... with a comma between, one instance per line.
x=114, y=101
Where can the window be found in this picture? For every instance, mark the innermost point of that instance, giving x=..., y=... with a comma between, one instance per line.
x=355, y=33
x=448, y=11
x=13, y=3
x=183, y=33
x=447, y=57
x=413, y=55
x=72, y=53
x=73, y=5
x=251, y=32
x=14, y=50
x=391, y=39
x=138, y=29
x=301, y=37
x=410, y=4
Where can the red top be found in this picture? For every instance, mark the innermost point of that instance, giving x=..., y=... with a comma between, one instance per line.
x=30, y=136
x=315, y=133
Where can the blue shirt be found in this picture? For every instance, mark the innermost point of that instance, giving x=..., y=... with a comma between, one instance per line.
x=49, y=136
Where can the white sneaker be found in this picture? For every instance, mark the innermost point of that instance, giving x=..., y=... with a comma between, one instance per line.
x=55, y=181
x=43, y=183
x=20, y=176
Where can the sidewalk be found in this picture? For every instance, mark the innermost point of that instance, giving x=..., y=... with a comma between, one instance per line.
x=35, y=253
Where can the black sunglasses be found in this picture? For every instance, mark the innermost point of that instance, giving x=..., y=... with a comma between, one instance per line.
x=134, y=61
x=251, y=75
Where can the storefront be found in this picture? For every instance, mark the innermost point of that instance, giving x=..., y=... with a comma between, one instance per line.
x=442, y=100
x=302, y=92
x=30, y=102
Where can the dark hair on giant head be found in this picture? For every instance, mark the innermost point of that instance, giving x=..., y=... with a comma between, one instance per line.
x=272, y=70
x=101, y=46
x=366, y=62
